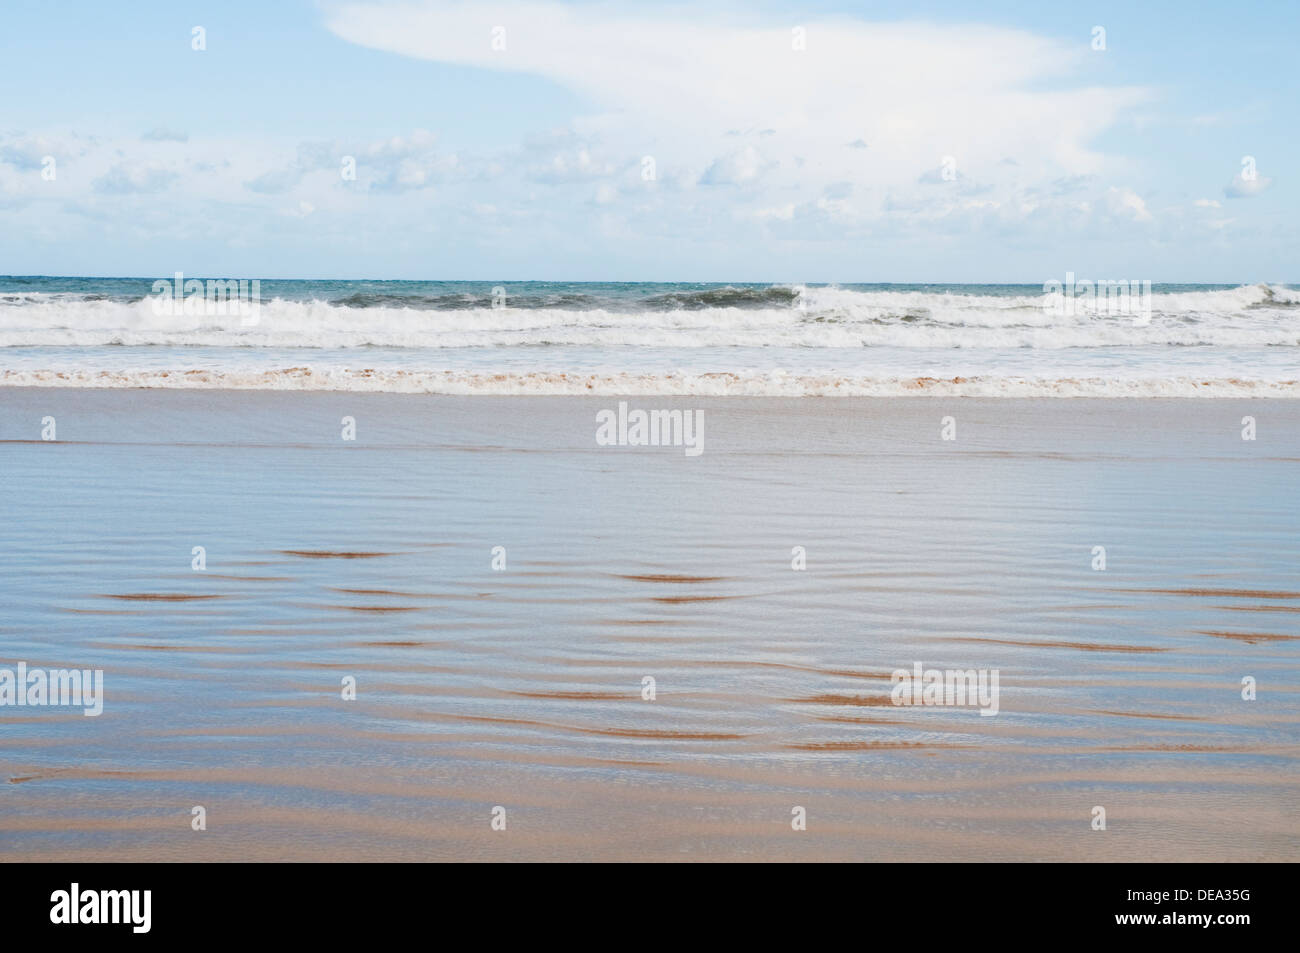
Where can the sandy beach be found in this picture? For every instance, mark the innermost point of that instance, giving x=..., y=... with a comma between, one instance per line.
x=523, y=686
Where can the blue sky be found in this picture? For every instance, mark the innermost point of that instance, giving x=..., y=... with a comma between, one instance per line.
x=930, y=141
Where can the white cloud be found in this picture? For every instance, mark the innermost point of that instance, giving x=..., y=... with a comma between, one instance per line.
x=571, y=165
x=736, y=168
x=781, y=213
x=1243, y=188
x=28, y=152
x=1126, y=204
x=673, y=82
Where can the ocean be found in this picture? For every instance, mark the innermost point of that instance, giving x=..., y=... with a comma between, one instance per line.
x=551, y=338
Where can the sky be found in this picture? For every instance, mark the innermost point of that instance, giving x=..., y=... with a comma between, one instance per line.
x=930, y=141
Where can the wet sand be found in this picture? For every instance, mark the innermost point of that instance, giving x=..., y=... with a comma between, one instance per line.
x=522, y=688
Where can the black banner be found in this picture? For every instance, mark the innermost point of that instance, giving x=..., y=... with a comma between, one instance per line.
x=944, y=903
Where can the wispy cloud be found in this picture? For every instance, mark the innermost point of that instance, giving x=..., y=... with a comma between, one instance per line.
x=165, y=134
x=129, y=178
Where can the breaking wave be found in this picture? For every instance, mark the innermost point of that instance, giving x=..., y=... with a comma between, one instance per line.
x=683, y=339
x=776, y=316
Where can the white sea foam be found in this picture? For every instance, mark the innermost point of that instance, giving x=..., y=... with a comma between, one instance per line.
x=826, y=341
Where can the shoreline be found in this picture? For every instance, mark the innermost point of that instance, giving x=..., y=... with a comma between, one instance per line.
x=724, y=385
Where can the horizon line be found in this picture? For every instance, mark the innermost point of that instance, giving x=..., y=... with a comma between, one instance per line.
x=657, y=281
